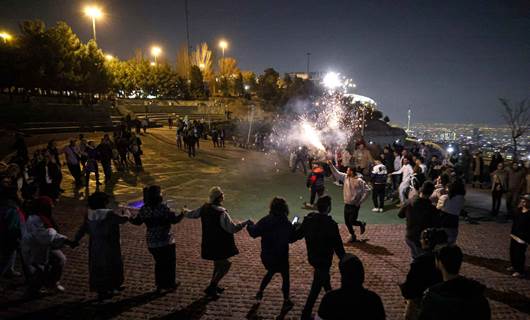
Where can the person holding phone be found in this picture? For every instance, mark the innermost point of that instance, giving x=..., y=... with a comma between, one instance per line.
x=276, y=232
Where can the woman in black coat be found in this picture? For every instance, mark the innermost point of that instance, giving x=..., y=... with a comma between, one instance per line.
x=276, y=232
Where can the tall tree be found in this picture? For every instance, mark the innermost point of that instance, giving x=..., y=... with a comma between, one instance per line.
x=239, y=87
x=202, y=57
x=249, y=80
x=95, y=76
x=227, y=67
x=183, y=62
x=267, y=88
x=197, y=89
x=518, y=119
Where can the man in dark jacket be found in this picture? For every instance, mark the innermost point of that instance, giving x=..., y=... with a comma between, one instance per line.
x=315, y=182
x=420, y=214
x=457, y=297
x=351, y=300
x=423, y=272
x=276, y=232
x=218, y=244
x=322, y=239
x=520, y=237
x=105, y=156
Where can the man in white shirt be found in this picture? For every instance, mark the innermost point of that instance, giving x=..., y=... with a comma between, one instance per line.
x=406, y=170
x=355, y=191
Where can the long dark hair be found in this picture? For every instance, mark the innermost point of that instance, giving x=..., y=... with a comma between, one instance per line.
x=279, y=206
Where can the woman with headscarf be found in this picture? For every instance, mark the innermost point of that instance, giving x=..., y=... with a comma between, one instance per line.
x=104, y=250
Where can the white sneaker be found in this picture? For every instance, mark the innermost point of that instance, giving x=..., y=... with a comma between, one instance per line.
x=380, y=209
x=375, y=210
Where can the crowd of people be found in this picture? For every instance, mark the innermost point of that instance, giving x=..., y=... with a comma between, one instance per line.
x=431, y=195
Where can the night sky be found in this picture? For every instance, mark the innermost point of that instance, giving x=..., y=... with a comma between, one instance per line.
x=450, y=60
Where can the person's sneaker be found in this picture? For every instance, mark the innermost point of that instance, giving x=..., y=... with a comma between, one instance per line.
x=337, y=183
x=517, y=275
x=59, y=288
x=375, y=210
x=363, y=227
x=287, y=304
x=12, y=274
x=510, y=269
x=381, y=210
x=211, y=292
x=219, y=289
x=352, y=239
x=259, y=296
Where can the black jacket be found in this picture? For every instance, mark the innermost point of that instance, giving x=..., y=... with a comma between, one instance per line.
x=456, y=299
x=521, y=225
x=276, y=232
x=322, y=239
x=354, y=303
x=421, y=214
x=422, y=275
x=217, y=244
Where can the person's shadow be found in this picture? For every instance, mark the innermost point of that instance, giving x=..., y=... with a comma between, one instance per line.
x=252, y=314
x=367, y=247
x=194, y=310
x=513, y=299
x=90, y=309
x=493, y=264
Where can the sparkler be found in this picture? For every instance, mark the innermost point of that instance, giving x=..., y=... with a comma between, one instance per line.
x=324, y=122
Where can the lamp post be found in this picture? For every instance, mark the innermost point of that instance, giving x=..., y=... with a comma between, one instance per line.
x=94, y=13
x=223, y=44
x=155, y=52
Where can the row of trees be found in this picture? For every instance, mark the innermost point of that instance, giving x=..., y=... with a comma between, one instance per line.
x=54, y=61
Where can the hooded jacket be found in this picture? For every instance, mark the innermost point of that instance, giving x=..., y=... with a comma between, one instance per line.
x=456, y=299
x=322, y=239
x=276, y=232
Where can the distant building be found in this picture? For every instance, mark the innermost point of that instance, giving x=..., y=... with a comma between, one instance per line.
x=313, y=76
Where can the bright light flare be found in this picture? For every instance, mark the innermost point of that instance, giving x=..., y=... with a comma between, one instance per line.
x=109, y=57
x=5, y=36
x=332, y=80
x=93, y=12
x=156, y=51
x=223, y=44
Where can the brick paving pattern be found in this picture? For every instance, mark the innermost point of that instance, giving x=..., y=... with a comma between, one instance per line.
x=385, y=257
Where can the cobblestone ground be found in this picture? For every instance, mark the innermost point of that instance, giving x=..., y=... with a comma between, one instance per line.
x=384, y=255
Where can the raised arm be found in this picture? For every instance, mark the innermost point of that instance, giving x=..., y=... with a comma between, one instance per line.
x=336, y=173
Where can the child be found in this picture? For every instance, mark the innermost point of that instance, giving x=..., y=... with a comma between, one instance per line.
x=315, y=183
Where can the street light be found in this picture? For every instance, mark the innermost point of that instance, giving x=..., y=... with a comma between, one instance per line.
x=155, y=52
x=223, y=44
x=93, y=12
x=5, y=36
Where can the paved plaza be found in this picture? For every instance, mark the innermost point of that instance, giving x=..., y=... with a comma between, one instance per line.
x=250, y=179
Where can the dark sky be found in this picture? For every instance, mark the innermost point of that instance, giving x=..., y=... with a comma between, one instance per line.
x=451, y=60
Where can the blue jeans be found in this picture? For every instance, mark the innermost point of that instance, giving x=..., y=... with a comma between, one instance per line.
x=415, y=250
